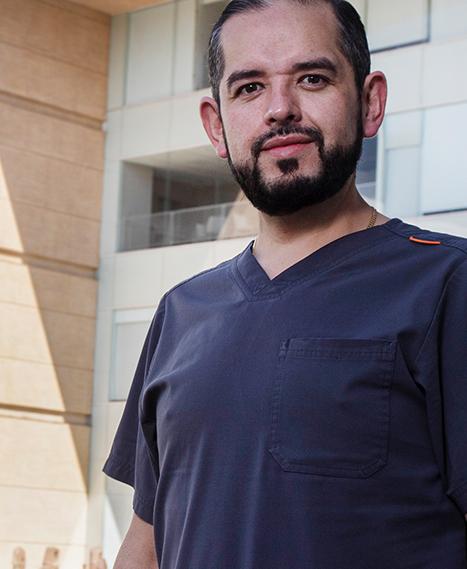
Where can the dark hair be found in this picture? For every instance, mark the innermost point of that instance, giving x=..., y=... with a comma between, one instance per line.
x=353, y=41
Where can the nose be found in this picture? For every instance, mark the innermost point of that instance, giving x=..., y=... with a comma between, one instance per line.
x=282, y=106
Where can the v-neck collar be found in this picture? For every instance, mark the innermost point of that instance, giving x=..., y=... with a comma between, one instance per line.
x=257, y=285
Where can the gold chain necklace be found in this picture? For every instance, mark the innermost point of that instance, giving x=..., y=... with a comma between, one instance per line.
x=374, y=214
x=371, y=223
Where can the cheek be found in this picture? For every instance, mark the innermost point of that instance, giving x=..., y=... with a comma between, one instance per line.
x=338, y=125
x=238, y=139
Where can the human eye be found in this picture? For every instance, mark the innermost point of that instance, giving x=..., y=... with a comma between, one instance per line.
x=248, y=89
x=314, y=80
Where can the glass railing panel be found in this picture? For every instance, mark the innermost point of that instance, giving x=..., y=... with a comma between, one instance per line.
x=189, y=225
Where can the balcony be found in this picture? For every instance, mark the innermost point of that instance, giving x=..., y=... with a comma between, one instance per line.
x=189, y=225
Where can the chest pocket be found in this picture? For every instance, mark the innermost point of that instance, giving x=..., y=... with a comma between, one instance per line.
x=331, y=406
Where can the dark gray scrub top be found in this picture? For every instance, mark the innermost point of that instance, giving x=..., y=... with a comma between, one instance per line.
x=317, y=420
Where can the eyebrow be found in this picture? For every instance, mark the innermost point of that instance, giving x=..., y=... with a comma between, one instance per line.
x=319, y=63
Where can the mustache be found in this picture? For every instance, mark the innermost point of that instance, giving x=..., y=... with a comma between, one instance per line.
x=312, y=133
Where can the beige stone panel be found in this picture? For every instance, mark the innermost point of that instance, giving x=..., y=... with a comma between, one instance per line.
x=52, y=183
x=35, y=76
x=118, y=6
x=45, y=135
x=43, y=516
x=70, y=557
x=45, y=386
x=57, y=32
x=79, y=9
x=47, y=289
x=40, y=231
x=46, y=337
x=41, y=453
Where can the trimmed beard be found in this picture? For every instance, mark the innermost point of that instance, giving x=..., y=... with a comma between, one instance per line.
x=288, y=196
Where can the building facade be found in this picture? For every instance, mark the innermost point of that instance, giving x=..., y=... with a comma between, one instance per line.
x=173, y=210
x=110, y=194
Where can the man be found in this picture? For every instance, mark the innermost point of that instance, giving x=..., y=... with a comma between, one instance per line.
x=302, y=405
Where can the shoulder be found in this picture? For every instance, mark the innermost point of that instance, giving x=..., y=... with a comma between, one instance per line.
x=428, y=241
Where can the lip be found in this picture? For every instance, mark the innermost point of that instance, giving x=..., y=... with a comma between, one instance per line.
x=289, y=140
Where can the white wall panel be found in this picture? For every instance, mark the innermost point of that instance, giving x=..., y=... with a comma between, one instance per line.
x=454, y=223
x=444, y=163
x=208, y=14
x=145, y=129
x=396, y=23
x=402, y=179
x=402, y=156
x=150, y=53
x=117, y=61
x=186, y=127
x=117, y=517
x=403, y=69
x=163, y=126
x=113, y=135
x=184, y=46
x=448, y=18
x=110, y=209
x=126, y=348
x=142, y=277
x=361, y=7
x=403, y=129
x=138, y=278
x=445, y=73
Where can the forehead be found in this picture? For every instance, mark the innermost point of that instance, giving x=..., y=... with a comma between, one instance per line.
x=280, y=35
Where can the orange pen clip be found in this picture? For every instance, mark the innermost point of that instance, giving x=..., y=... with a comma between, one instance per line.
x=424, y=241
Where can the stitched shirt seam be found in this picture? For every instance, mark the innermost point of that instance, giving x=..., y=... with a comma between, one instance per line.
x=286, y=286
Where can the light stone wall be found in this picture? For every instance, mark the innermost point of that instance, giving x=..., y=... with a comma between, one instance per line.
x=53, y=89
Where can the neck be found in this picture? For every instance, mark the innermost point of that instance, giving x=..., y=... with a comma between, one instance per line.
x=286, y=239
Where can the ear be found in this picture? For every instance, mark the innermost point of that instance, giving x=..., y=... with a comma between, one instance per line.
x=374, y=96
x=212, y=122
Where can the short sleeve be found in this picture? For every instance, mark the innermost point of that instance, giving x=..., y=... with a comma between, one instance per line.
x=129, y=460
x=441, y=367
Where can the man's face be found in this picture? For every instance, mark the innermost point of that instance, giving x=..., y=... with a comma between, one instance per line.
x=290, y=110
